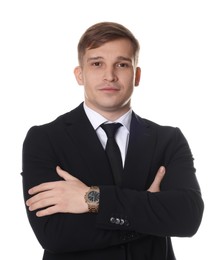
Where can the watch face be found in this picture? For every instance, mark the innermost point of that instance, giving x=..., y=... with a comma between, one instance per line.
x=93, y=196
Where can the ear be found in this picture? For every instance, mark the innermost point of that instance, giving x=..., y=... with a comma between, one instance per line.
x=78, y=75
x=137, y=76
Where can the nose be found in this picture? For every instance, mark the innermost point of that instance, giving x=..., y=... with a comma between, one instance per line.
x=110, y=74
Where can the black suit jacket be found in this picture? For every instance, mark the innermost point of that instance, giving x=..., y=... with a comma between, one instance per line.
x=132, y=223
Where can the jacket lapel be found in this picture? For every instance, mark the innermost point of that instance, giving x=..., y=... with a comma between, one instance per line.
x=139, y=155
x=90, y=149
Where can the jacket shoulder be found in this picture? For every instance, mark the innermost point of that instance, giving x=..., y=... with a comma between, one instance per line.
x=155, y=126
x=65, y=118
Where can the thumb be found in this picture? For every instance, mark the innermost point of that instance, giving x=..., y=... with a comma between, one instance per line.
x=155, y=186
x=63, y=174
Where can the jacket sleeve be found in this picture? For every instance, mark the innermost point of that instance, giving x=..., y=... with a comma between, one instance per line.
x=174, y=211
x=58, y=232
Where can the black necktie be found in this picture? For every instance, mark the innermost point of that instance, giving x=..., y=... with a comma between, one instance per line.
x=113, y=151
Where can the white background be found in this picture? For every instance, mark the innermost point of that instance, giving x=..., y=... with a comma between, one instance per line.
x=181, y=76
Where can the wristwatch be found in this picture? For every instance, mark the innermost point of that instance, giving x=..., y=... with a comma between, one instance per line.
x=92, y=198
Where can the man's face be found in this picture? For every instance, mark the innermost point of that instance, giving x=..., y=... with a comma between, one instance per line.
x=109, y=75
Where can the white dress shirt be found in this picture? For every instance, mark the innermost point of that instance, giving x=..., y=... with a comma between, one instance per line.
x=122, y=135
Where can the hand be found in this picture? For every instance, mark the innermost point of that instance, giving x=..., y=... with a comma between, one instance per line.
x=66, y=196
x=155, y=186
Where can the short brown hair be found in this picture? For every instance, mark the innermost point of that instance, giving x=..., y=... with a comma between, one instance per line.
x=101, y=33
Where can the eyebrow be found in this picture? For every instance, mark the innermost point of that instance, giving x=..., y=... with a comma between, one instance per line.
x=119, y=58
x=94, y=58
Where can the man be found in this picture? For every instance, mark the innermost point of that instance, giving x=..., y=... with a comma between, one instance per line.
x=78, y=206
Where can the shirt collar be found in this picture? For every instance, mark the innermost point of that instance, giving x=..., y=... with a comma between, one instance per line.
x=96, y=119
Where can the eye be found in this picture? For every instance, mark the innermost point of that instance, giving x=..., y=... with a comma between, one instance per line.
x=123, y=65
x=96, y=64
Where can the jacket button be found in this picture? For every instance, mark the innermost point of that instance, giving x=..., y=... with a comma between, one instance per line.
x=112, y=220
x=121, y=222
x=117, y=221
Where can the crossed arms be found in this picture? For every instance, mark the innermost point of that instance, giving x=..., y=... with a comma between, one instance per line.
x=67, y=196
x=58, y=213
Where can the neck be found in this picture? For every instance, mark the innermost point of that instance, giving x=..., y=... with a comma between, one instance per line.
x=111, y=114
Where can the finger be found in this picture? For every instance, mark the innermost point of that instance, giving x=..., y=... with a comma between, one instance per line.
x=48, y=211
x=155, y=186
x=42, y=187
x=39, y=196
x=63, y=174
x=42, y=204
x=159, y=176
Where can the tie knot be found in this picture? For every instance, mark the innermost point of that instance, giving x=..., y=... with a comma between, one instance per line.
x=111, y=129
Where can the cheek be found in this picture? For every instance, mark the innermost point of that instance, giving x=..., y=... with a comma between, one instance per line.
x=129, y=85
x=129, y=81
x=90, y=77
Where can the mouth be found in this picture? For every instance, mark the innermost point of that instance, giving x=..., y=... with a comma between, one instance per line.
x=109, y=89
